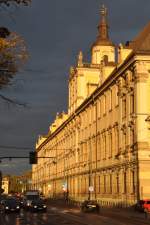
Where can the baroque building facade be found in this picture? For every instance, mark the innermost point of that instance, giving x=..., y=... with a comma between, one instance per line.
x=100, y=148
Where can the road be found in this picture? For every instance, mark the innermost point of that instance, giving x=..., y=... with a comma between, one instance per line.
x=72, y=216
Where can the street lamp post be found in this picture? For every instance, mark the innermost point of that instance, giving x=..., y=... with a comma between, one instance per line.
x=90, y=171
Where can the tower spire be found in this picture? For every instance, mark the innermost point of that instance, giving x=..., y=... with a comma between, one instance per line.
x=103, y=36
x=103, y=26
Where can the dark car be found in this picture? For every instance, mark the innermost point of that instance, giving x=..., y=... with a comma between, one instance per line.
x=38, y=205
x=143, y=205
x=20, y=200
x=90, y=206
x=10, y=205
x=28, y=199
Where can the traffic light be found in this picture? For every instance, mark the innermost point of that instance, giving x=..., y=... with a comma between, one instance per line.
x=33, y=157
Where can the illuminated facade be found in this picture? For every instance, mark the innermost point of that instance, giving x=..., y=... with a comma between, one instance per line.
x=100, y=149
x=5, y=184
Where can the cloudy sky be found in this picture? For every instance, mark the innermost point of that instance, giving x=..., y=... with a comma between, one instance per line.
x=55, y=31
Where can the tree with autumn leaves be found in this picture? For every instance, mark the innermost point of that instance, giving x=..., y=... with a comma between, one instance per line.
x=13, y=51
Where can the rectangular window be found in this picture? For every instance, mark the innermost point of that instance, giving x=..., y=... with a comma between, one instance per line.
x=117, y=140
x=116, y=96
x=98, y=148
x=99, y=184
x=90, y=115
x=94, y=112
x=131, y=103
x=110, y=100
x=117, y=184
x=132, y=136
x=110, y=144
x=124, y=140
x=104, y=183
x=124, y=109
x=125, y=182
x=133, y=181
x=99, y=108
x=110, y=183
x=104, y=104
x=104, y=145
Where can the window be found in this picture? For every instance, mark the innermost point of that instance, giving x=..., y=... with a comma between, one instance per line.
x=94, y=112
x=117, y=183
x=104, y=104
x=110, y=99
x=133, y=181
x=110, y=183
x=117, y=140
x=110, y=144
x=132, y=136
x=98, y=148
x=125, y=182
x=104, y=145
x=99, y=184
x=99, y=109
x=132, y=103
x=116, y=96
x=104, y=183
x=124, y=107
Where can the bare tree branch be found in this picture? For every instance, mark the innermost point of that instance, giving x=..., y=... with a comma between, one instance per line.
x=10, y=2
x=13, y=102
x=13, y=52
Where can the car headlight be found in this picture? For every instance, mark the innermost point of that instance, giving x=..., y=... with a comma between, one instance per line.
x=17, y=207
x=6, y=207
x=44, y=206
x=35, y=206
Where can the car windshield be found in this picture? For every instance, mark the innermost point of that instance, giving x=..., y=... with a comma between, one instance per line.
x=39, y=201
x=32, y=197
x=11, y=201
x=92, y=202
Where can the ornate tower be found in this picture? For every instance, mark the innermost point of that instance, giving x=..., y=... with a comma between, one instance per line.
x=103, y=47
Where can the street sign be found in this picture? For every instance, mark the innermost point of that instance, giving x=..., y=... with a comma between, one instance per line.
x=91, y=188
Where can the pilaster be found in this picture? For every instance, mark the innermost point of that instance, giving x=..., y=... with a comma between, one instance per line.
x=141, y=113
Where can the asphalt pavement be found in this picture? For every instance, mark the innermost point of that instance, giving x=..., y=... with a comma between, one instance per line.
x=64, y=213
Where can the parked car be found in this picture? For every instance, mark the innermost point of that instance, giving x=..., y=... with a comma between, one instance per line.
x=10, y=205
x=29, y=197
x=143, y=205
x=90, y=206
x=38, y=205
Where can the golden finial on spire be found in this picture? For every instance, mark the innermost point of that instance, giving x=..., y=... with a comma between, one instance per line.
x=103, y=35
x=103, y=10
